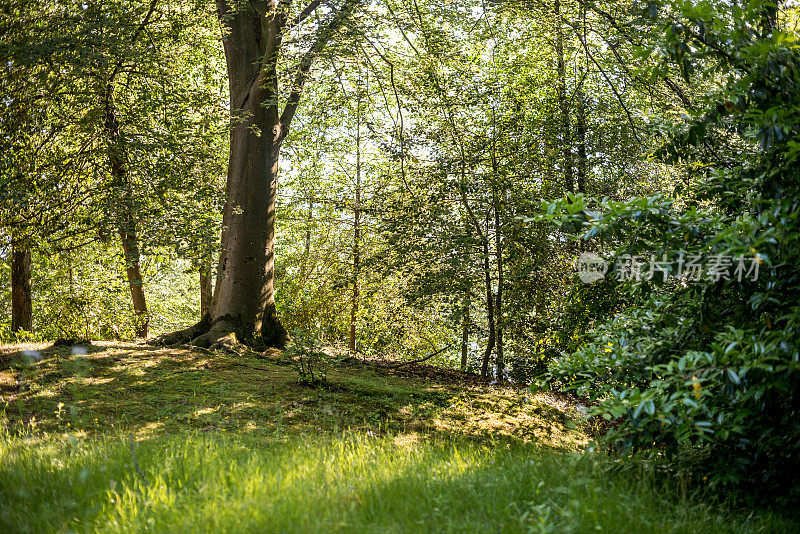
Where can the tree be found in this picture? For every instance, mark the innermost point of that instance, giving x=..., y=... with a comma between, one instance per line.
x=253, y=39
x=99, y=133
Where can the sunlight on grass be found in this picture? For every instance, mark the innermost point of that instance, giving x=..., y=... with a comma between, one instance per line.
x=230, y=449
x=217, y=483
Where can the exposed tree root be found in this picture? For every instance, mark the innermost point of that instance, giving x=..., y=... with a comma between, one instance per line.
x=221, y=334
x=180, y=337
x=225, y=333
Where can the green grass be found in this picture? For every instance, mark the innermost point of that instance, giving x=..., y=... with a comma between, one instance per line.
x=200, y=482
x=226, y=448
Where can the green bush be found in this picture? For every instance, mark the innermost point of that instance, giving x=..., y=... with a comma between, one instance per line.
x=705, y=375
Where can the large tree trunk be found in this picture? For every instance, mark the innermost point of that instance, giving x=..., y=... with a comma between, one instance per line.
x=244, y=299
x=21, y=302
x=244, y=296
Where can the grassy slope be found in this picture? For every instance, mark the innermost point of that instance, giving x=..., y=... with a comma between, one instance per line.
x=225, y=447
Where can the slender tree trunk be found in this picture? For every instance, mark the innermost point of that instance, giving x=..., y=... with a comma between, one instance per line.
x=307, y=247
x=309, y=221
x=21, y=301
x=130, y=248
x=581, y=132
x=356, y=231
x=498, y=249
x=71, y=270
x=562, y=102
x=484, y=238
x=465, y=319
x=490, y=320
x=769, y=19
x=465, y=331
x=206, y=288
x=499, y=297
x=126, y=212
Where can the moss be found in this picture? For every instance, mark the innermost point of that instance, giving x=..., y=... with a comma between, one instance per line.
x=152, y=390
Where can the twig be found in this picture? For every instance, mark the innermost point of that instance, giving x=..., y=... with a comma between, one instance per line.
x=190, y=370
x=209, y=369
x=136, y=464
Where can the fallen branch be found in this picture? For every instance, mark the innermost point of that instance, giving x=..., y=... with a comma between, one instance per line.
x=403, y=364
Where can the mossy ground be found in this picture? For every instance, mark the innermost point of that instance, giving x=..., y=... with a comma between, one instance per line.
x=148, y=391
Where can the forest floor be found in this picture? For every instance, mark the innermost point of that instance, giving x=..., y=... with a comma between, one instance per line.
x=128, y=437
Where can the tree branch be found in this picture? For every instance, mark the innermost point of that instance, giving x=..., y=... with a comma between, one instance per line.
x=303, y=15
x=323, y=35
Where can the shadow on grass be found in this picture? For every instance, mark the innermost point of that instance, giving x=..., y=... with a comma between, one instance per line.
x=151, y=390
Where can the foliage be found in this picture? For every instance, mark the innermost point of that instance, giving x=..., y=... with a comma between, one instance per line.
x=708, y=371
x=305, y=350
x=86, y=295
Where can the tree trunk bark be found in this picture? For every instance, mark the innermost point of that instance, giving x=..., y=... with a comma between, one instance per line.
x=499, y=299
x=21, y=301
x=130, y=249
x=356, y=233
x=307, y=248
x=489, y=304
x=465, y=332
x=244, y=299
x=498, y=249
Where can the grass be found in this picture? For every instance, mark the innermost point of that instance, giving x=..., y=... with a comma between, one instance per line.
x=226, y=448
